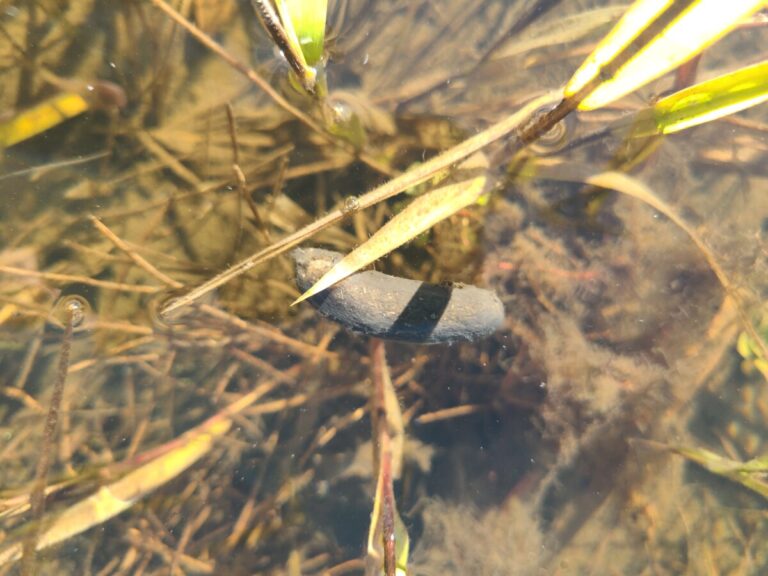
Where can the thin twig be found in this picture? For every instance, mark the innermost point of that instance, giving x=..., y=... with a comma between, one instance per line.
x=29, y=359
x=114, y=361
x=21, y=396
x=169, y=160
x=242, y=182
x=282, y=169
x=448, y=413
x=38, y=171
x=247, y=511
x=56, y=277
x=37, y=497
x=263, y=365
x=268, y=332
x=137, y=258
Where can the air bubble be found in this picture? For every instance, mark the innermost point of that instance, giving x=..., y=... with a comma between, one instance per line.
x=351, y=205
x=341, y=112
x=553, y=139
x=555, y=136
x=159, y=305
x=72, y=308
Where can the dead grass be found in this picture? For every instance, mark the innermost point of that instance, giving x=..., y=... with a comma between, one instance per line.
x=521, y=451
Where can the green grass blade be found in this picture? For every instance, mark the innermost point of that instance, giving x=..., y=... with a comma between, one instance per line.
x=420, y=215
x=306, y=18
x=653, y=37
x=748, y=474
x=713, y=99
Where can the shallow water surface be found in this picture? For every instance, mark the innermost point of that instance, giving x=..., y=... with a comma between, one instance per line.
x=241, y=435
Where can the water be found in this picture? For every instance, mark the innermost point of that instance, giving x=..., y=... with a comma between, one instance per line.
x=236, y=437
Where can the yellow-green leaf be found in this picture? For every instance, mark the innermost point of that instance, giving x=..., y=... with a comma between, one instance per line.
x=41, y=117
x=713, y=99
x=420, y=215
x=402, y=546
x=749, y=474
x=306, y=19
x=653, y=37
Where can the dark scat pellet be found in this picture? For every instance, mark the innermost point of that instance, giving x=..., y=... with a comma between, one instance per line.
x=397, y=308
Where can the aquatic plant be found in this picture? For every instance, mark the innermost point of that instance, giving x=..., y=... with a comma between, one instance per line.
x=254, y=413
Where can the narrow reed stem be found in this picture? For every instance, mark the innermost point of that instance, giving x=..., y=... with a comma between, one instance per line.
x=37, y=497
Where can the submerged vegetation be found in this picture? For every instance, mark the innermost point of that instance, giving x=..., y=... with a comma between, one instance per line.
x=165, y=409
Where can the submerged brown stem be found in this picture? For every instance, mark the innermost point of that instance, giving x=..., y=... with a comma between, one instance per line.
x=242, y=183
x=137, y=258
x=56, y=277
x=37, y=497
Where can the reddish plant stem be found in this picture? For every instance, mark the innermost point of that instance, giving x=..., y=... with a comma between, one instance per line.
x=383, y=457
